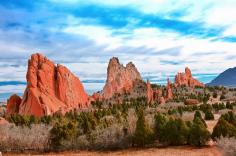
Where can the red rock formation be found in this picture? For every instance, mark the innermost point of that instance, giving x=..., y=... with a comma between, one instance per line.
x=119, y=78
x=191, y=102
x=13, y=104
x=187, y=79
x=50, y=88
x=169, y=93
x=149, y=92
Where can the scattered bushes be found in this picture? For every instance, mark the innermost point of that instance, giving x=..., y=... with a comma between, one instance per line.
x=172, y=131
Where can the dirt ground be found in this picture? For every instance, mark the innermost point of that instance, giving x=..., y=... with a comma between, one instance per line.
x=211, y=123
x=169, y=151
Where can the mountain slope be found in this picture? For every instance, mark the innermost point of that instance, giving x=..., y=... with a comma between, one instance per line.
x=227, y=78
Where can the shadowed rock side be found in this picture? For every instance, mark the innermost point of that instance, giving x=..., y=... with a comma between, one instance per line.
x=187, y=79
x=120, y=79
x=51, y=88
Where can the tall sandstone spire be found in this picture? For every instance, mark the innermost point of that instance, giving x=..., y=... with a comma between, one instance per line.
x=169, y=93
x=51, y=88
x=119, y=78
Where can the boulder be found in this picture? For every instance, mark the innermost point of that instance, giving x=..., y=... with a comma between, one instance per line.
x=191, y=102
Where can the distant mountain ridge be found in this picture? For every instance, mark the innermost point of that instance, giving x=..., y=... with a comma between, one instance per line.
x=226, y=78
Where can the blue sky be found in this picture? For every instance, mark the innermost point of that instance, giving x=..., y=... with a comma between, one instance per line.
x=160, y=36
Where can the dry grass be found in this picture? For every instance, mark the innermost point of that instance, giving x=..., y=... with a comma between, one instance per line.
x=24, y=138
x=227, y=146
x=211, y=123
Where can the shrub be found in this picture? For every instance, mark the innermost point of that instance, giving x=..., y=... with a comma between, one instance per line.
x=143, y=134
x=160, y=123
x=62, y=132
x=198, y=115
x=20, y=138
x=175, y=132
x=229, y=106
x=209, y=115
x=22, y=120
x=215, y=95
x=230, y=117
x=223, y=128
x=222, y=97
x=198, y=135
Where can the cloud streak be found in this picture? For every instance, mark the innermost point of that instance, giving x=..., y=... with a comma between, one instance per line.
x=160, y=37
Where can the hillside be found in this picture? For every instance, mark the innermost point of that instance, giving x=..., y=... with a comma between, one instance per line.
x=226, y=78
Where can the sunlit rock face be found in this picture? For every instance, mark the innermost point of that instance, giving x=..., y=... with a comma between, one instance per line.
x=13, y=104
x=51, y=88
x=150, y=93
x=169, y=93
x=187, y=79
x=120, y=78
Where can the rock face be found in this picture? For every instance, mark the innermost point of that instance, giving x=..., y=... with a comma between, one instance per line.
x=157, y=94
x=169, y=93
x=187, y=79
x=150, y=93
x=13, y=104
x=120, y=79
x=50, y=88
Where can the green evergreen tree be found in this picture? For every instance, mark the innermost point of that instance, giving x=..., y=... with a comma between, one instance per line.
x=209, y=115
x=160, y=123
x=198, y=115
x=223, y=128
x=175, y=132
x=143, y=134
x=198, y=135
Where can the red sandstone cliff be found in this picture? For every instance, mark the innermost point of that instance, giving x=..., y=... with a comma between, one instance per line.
x=187, y=79
x=120, y=79
x=50, y=88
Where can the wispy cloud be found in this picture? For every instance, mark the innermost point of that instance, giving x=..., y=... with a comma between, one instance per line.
x=160, y=37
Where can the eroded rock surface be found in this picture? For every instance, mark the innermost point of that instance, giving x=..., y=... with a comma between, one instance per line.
x=13, y=104
x=120, y=78
x=187, y=79
x=50, y=88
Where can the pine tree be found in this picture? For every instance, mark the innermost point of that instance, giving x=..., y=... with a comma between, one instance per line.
x=143, y=134
x=223, y=128
x=199, y=134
